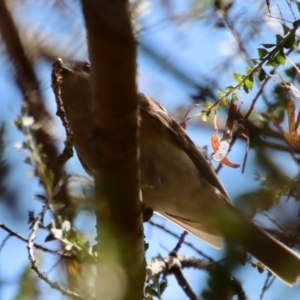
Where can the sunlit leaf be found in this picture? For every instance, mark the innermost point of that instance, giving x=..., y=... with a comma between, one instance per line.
x=272, y=63
x=280, y=59
x=262, y=52
x=248, y=85
x=237, y=77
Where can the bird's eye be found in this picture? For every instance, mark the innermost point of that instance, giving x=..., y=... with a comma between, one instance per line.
x=86, y=67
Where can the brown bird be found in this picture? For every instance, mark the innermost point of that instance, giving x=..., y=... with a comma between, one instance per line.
x=177, y=182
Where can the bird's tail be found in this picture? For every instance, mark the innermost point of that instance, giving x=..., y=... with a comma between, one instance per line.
x=276, y=257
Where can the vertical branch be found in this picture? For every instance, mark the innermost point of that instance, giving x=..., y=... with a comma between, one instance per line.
x=29, y=86
x=112, y=50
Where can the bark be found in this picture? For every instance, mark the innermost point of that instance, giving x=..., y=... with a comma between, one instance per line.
x=112, y=51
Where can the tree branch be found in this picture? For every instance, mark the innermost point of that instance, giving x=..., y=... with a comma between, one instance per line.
x=29, y=86
x=112, y=50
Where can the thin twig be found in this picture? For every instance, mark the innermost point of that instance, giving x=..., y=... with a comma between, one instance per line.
x=185, y=243
x=61, y=113
x=22, y=238
x=180, y=242
x=268, y=282
x=34, y=262
x=4, y=241
x=177, y=271
x=183, y=283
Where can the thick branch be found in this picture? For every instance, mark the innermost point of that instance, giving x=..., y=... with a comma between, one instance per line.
x=112, y=50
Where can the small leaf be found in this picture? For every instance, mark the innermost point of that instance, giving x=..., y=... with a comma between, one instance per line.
x=285, y=28
x=271, y=63
x=260, y=269
x=229, y=88
x=248, y=70
x=237, y=77
x=296, y=24
x=268, y=45
x=262, y=52
x=253, y=62
x=290, y=42
x=261, y=75
x=31, y=217
x=49, y=238
x=280, y=59
x=41, y=197
x=234, y=97
x=279, y=38
x=162, y=286
x=298, y=6
x=248, y=85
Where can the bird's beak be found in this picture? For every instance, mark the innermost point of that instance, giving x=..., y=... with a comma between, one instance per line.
x=66, y=68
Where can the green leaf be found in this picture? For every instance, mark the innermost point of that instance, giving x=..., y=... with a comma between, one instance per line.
x=279, y=38
x=268, y=45
x=291, y=72
x=248, y=85
x=262, y=52
x=296, y=24
x=234, y=97
x=248, y=70
x=285, y=28
x=290, y=42
x=298, y=6
x=271, y=63
x=226, y=101
x=261, y=75
x=280, y=59
x=162, y=286
x=217, y=110
x=253, y=62
x=237, y=77
x=229, y=88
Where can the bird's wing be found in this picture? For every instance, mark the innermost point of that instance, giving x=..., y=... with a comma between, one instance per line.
x=179, y=136
x=196, y=229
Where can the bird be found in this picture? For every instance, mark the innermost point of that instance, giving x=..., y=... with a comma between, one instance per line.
x=177, y=182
